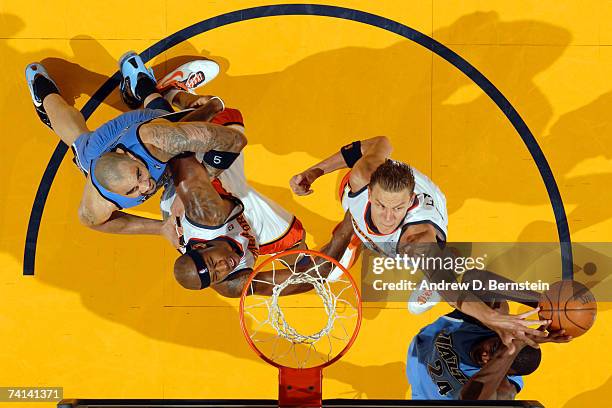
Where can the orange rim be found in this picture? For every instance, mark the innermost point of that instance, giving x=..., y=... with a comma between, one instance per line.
x=245, y=330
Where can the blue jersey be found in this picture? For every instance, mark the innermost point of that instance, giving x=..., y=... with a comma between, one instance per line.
x=439, y=361
x=119, y=133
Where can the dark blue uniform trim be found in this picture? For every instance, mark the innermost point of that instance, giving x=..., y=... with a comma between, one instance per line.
x=353, y=194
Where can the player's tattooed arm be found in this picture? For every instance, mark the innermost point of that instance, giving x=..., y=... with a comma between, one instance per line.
x=170, y=139
x=202, y=202
x=373, y=153
x=198, y=137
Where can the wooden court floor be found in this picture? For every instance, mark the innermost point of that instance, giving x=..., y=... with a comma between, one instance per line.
x=103, y=317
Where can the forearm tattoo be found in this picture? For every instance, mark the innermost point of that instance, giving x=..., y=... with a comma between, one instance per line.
x=176, y=138
x=204, y=205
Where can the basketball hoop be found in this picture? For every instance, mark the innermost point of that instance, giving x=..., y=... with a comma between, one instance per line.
x=303, y=333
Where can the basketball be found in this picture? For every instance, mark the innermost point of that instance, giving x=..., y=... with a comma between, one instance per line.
x=570, y=305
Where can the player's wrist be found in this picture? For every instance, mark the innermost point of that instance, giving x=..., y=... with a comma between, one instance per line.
x=520, y=345
x=480, y=311
x=315, y=172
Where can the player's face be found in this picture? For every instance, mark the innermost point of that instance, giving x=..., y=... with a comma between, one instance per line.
x=220, y=258
x=137, y=180
x=485, y=350
x=388, y=209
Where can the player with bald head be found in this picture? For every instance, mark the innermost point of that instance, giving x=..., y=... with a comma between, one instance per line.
x=114, y=169
x=125, y=159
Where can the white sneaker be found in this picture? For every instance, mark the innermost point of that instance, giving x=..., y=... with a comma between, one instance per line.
x=422, y=300
x=188, y=77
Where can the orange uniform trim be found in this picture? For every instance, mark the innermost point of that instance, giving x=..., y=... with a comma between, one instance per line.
x=218, y=186
x=288, y=240
x=343, y=184
x=229, y=116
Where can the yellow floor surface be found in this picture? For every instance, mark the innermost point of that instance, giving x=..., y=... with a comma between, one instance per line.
x=103, y=316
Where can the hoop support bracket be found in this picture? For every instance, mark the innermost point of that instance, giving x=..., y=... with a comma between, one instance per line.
x=300, y=387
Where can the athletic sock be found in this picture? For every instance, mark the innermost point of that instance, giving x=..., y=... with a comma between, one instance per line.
x=43, y=87
x=160, y=103
x=145, y=87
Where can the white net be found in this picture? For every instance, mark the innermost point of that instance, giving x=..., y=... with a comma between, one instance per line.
x=306, y=329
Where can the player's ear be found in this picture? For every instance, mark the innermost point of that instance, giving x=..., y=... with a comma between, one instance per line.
x=130, y=155
x=127, y=153
x=412, y=197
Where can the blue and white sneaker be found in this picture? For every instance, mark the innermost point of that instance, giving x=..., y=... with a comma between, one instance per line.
x=132, y=69
x=33, y=71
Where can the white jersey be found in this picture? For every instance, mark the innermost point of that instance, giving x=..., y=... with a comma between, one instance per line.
x=235, y=230
x=267, y=221
x=429, y=207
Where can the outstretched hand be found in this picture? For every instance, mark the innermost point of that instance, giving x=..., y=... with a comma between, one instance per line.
x=301, y=183
x=510, y=327
x=556, y=336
